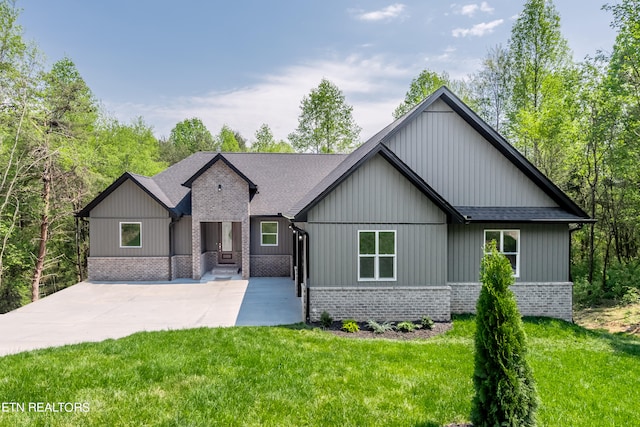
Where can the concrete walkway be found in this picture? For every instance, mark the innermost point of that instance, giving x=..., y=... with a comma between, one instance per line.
x=95, y=312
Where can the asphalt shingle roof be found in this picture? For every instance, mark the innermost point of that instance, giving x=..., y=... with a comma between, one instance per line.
x=282, y=178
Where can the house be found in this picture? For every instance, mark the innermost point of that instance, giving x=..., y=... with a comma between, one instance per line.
x=394, y=230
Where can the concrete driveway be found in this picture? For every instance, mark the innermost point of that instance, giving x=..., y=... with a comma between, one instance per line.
x=95, y=312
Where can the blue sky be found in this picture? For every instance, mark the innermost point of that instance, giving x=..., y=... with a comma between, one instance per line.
x=248, y=62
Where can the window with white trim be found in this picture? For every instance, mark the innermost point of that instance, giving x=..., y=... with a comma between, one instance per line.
x=376, y=255
x=508, y=243
x=269, y=233
x=130, y=234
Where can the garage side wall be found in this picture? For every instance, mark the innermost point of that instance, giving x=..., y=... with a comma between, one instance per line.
x=110, y=262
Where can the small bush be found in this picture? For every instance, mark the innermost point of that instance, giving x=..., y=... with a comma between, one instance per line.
x=427, y=322
x=631, y=296
x=350, y=325
x=325, y=319
x=378, y=328
x=407, y=326
x=505, y=391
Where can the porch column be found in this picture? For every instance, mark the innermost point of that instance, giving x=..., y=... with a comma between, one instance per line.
x=246, y=256
x=195, y=249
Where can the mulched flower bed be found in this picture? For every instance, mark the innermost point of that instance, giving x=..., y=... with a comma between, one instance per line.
x=365, y=332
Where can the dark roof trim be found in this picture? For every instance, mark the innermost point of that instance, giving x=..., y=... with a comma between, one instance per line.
x=117, y=183
x=510, y=152
x=253, y=188
x=494, y=138
x=452, y=214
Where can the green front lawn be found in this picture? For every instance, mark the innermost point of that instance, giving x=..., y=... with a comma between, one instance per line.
x=286, y=376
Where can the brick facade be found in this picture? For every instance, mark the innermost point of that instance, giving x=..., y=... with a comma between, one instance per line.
x=128, y=268
x=180, y=267
x=534, y=299
x=208, y=204
x=271, y=265
x=381, y=303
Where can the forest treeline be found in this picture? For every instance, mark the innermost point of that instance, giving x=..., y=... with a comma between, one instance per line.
x=578, y=122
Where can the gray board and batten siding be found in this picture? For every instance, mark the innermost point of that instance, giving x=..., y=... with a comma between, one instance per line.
x=544, y=251
x=377, y=197
x=285, y=237
x=129, y=203
x=460, y=164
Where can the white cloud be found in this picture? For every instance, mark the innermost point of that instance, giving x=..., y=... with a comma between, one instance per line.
x=477, y=30
x=471, y=9
x=372, y=85
x=389, y=12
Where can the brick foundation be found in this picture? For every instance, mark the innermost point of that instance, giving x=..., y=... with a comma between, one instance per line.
x=180, y=267
x=381, y=303
x=271, y=265
x=534, y=299
x=118, y=269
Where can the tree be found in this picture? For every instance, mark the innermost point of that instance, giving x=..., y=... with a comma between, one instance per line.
x=226, y=140
x=187, y=137
x=542, y=103
x=67, y=119
x=265, y=142
x=491, y=87
x=424, y=85
x=505, y=392
x=325, y=124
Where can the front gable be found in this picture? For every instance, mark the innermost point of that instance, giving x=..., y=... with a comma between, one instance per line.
x=376, y=192
x=461, y=164
x=128, y=200
x=219, y=193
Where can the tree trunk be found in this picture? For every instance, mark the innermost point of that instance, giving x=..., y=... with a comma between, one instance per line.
x=44, y=231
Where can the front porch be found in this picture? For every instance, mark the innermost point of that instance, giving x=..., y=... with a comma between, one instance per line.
x=220, y=249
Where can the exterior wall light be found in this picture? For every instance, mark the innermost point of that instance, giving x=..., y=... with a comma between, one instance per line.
x=219, y=187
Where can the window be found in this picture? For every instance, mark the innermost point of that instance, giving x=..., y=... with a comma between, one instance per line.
x=508, y=243
x=130, y=235
x=376, y=255
x=268, y=233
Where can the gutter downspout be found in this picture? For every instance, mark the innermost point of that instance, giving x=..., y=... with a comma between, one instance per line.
x=305, y=270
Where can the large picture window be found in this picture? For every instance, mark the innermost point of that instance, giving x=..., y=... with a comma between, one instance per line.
x=508, y=243
x=376, y=255
x=130, y=235
x=269, y=233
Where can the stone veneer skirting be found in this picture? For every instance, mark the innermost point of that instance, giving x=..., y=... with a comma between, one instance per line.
x=554, y=299
x=381, y=303
x=128, y=268
x=271, y=265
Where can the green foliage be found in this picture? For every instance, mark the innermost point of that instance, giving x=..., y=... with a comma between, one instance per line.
x=265, y=143
x=407, y=326
x=427, y=322
x=424, y=85
x=187, y=137
x=380, y=328
x=325, y=124
x=630, y=296
x=505, y=390
x=325, y=319
x=350, y=325
x=227, y=140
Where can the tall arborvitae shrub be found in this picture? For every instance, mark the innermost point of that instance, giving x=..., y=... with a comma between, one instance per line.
x=505, y=390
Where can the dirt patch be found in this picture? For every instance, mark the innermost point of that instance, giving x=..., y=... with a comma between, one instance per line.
x=366, y=333
x=610, y=316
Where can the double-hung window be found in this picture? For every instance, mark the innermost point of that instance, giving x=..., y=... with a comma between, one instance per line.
x=376, y=255
x=268, y=233
x=508, y=243
x=130, y=235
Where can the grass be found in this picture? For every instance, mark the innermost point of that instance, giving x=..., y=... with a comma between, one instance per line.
x=298, y=377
